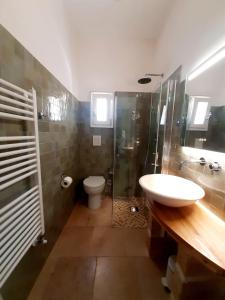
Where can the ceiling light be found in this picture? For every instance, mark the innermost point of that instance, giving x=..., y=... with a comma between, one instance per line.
x=201, y=97
x=212, y=60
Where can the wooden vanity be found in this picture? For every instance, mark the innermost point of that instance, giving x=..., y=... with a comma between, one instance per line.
x=198, y=229
x=194, y=239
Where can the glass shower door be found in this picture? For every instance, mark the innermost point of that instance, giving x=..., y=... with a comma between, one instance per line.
x=131, y=142
x=136, y=130
x=125, y=145
x=153, y=164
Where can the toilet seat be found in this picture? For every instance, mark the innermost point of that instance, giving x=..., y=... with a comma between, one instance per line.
x=94, y=181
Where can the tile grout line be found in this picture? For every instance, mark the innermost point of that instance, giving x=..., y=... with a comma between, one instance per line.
x=92, y=256
x=96, y=258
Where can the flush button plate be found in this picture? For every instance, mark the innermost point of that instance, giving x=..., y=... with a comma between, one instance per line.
x=97, y=140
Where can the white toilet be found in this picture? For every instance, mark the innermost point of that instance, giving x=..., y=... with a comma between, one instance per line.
x=94, y=186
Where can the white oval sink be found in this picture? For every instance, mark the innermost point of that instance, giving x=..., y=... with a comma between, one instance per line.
x=171, y=190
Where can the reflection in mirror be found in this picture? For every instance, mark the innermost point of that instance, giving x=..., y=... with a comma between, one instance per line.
x=204, y=119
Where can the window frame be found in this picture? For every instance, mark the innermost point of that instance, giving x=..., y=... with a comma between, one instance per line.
x=110, y=110
x=193, y=105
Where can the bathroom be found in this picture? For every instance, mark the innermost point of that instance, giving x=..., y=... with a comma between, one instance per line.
x=106, y=107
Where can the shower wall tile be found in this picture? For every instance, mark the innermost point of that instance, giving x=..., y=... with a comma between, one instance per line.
x=59, y=144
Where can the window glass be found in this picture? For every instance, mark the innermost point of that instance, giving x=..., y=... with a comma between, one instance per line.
x=102, y=109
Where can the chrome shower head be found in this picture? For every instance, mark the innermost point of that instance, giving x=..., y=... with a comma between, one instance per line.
x=147, y=78
x=144, y=80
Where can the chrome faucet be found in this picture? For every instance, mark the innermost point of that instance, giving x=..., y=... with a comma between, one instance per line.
x=201, y=161
x=215, y=166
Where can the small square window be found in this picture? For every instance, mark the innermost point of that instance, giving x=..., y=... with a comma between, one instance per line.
x=198, y=114
x=102, y=109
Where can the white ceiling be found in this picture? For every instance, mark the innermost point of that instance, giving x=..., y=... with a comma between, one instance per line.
x=210, y=83
x=141, y=19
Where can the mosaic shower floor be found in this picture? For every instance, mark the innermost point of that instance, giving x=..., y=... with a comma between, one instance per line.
x=123, y=217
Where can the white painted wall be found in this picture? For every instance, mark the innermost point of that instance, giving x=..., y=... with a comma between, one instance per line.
x=113, y=64
x=193, y=28
x=41, y=27
x=192, y=31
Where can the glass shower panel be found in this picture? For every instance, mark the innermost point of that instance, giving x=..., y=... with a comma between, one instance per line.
x=162, y=124
x=130, y=142
x=136, y=137
x=170, y=90
x=152, y=164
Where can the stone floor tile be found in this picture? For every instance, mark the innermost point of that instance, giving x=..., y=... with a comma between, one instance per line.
x=127, y=278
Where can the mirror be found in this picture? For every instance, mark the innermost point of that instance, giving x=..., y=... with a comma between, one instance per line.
x=204, y=118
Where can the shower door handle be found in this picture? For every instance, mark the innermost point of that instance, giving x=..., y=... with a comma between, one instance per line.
x=156, y=155
x=117, y=154
x=127, y=148
x=156, y=159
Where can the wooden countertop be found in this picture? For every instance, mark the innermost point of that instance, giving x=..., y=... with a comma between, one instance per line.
x=198, y=228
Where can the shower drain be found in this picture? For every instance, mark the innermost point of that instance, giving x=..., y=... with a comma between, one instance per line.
x=134, y=209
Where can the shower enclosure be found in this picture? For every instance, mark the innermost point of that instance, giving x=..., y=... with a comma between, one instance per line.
x=136, y=141
x=146, y=132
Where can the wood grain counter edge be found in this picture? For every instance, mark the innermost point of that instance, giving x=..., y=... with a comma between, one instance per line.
x=202, y=232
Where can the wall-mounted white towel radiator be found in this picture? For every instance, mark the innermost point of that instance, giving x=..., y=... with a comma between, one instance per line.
x=21, y=218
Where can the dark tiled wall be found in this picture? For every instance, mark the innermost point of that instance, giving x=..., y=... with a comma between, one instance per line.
x=93, y=160
x=58, y=146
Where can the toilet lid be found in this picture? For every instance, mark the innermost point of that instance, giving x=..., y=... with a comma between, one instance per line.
x=94, y=181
